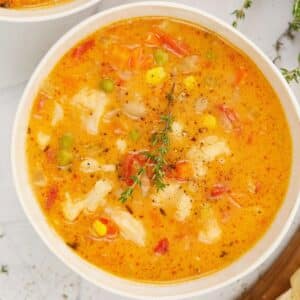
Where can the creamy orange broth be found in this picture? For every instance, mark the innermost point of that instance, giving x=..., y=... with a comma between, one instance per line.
x=226, y=170
x=23, y=4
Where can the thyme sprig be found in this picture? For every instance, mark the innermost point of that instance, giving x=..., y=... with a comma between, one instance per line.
x=127, y=193
x=290, y=31
x=157, y=157
x=241, y=13
x=170, y=94
x=291, y=75
x=295, y=24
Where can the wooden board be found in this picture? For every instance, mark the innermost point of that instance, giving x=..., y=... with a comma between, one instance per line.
x=277, y=279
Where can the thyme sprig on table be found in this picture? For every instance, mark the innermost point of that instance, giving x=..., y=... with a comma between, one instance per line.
x=4, y=269
x=295, y=24
x=157, y=157
x=291, y=75
x=240, y=13
x=289, y=33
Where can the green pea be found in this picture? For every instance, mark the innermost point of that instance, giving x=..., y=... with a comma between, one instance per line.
x=66, y=141
x=161, y=57
x=64, y=157
x=134, y=135
x=107, y=85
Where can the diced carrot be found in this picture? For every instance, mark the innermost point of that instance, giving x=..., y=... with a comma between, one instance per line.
x=218, y=190
x=50, y=155
x=51, y=196
x=179, y=48
x=130, y=165
x=135, y=58
x=83, y=48
x=40, y=105
x=139, y=60
x=147, y=62
x=181, y=171
x=126, y=169
x=232, y=118
x=229, y=112
x=162, y=247
x=152, y=40
x=258, y=187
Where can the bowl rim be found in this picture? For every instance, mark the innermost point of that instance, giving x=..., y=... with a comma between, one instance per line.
x=46, y=13
x=268, y=251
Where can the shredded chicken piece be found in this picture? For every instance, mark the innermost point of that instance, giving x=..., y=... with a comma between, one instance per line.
x=43, y=140
x=91, y=103
x=130, y=228
x=210, y=231
x=95, y=198
x=58, y=114
x=184, y=207
x=177, y=129
x=207, y=150
x=121, y=145
x=134, y=109
x=173, y=195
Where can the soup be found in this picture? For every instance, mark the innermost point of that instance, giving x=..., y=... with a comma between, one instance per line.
x=23, y=4
x=155, y=150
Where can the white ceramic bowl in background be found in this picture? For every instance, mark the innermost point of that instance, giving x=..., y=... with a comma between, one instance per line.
x=27, y=34
x=248, y=262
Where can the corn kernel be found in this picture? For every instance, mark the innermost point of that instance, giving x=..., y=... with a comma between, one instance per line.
x=190, y=82
x=156, y=75
x=209, y=121
x=99, y=228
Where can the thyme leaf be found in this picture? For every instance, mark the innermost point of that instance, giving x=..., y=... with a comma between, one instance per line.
x=170, y=94
x=127, y=193
x=157, y=158
x=4, y=269
x=241, y=12
x=295, y=24
x=291, y=75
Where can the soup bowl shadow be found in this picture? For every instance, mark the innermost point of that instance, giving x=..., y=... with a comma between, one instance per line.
x=245, y=264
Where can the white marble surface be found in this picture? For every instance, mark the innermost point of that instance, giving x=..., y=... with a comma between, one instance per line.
x=34, y=272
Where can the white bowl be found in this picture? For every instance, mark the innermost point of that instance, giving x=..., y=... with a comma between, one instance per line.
x=27, y=34
x=248, y=262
